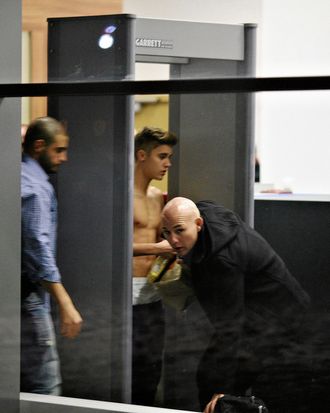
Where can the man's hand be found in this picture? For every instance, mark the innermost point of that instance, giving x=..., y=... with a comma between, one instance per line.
x=164, y=248
x=212, y=403
x=71, y=321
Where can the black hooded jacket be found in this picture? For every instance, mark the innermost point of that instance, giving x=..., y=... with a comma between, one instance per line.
x=242, y=284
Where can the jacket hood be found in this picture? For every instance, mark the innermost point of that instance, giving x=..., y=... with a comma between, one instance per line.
x=220, y=227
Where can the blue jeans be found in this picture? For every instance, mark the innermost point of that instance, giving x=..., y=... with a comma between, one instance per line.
x=40, y=370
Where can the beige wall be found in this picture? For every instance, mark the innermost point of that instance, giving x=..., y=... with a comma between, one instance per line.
x=154, y=114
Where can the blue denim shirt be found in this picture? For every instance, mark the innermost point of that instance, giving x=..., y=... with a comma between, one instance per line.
x=39, y=223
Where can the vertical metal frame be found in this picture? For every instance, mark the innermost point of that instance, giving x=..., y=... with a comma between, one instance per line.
x=10, y=118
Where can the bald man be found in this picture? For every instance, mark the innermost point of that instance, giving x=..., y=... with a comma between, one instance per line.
x=255, y=305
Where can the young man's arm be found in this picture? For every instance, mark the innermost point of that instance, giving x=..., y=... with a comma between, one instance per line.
x=156, y=248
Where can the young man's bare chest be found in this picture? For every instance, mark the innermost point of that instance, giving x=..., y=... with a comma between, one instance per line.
x=147, y=210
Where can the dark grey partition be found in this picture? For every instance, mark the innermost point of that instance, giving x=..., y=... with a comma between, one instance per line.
x=10, y=235
x=95, y=203
x=299, y=230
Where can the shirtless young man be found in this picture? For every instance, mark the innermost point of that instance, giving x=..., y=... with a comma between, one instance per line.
x=153, y=151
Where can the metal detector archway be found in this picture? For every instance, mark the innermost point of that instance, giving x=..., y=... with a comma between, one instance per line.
x=214, y=160
x=215, y=156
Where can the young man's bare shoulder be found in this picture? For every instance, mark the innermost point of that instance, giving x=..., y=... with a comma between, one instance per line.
x=155, y=193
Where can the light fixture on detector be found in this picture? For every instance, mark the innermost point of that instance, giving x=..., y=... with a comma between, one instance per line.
x=110, y=29
x=106, y=40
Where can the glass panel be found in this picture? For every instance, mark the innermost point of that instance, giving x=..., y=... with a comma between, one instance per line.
x=236, y=304
x=281, y=341
x=94, y=247
x=248, y=315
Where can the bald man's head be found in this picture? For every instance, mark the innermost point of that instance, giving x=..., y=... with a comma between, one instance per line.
x=181, y=222
x=183, y=205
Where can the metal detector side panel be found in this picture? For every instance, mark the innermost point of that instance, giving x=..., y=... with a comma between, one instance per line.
x=95, y=204
x=90, y=48
x=214, y=157
x=212, y=160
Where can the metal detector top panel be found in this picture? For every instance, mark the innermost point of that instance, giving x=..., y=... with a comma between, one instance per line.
x=184, y=39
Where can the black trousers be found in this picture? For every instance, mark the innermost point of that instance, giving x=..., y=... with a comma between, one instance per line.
x=279, y=372
x=148, y=345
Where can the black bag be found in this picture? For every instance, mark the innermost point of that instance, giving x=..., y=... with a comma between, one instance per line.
x=240, y=404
